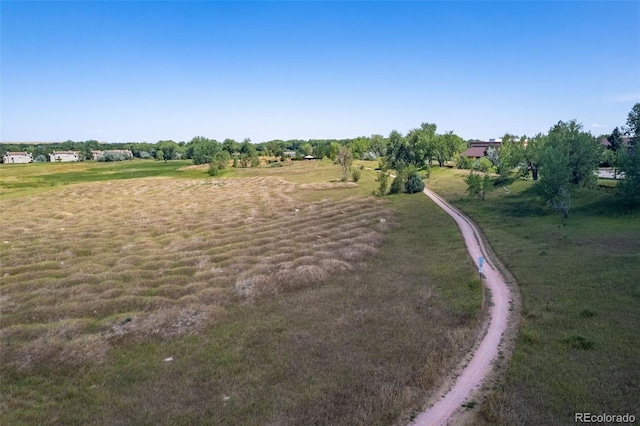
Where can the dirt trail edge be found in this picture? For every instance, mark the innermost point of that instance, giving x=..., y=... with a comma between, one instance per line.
x=470, y=378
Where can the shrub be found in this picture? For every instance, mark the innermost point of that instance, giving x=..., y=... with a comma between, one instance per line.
x=40, y=159
x=484, y=165
x=144, y=155
x=414, y=184
x=397, y=186
x=355, y=175
x=383, y=183
x=113, y=156
x=213, y=169
x=221, y=159
x=463, y=162
x=478, y=186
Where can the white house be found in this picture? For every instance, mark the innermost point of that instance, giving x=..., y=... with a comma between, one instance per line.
x=60, y=156
x=17, y=157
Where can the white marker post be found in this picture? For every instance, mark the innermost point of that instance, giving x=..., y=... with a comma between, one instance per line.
x=480, y=264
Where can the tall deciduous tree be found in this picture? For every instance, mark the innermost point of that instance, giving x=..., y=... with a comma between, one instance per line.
x=531, y=154
x=630, y=159
x=334, y=148
x=344, y=159
x=581, y=148
x=633, y=125
x=510, y=154
x=554, y=185
x=398, y=151
x=202, y=150
x=378, y=145
x=615, y=143
x=169, y=149
x=446, y=145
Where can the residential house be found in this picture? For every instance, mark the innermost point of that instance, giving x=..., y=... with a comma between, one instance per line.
x=478, y=149
x=61, y=156
x=625, y=142
x=17, y=157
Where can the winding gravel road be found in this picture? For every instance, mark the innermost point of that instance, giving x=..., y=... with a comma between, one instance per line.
x=471, y=377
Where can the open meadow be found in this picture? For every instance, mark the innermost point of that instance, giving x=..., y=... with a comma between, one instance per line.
x=578, y=348
x=150, y=293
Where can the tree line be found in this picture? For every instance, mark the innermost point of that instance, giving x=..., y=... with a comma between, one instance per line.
x=416, y=147
x=566, y=158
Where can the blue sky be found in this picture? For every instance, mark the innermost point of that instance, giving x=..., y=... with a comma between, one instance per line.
x=146, y=71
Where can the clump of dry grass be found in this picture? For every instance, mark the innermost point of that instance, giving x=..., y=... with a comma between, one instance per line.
x=166, y=254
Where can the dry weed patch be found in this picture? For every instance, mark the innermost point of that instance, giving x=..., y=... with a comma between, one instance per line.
x=163, y=257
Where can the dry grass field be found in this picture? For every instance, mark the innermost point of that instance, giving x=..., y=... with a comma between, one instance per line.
x=162, y=256
x=281, y=301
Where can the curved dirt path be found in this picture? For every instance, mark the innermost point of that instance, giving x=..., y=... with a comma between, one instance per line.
x=473, y=374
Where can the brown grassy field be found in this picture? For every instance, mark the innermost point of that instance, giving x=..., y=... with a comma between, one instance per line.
x=162, y=256
x=281, y=301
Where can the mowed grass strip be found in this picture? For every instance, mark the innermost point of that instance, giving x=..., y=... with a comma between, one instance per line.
x=578, y=347
x=278, y=304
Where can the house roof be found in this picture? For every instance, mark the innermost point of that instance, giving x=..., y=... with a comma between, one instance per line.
x=474, y=151
x=484, y=144
x=16, y=153
x=66, y=152
x=605, y=141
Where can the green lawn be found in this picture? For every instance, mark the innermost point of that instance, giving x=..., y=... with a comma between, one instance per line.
x=578, y=347
x=17, y=178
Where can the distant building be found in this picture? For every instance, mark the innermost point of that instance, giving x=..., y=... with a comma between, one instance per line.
x=17, y=157
x=62, y=156
x=624, y=140
x=96, y=155
x=479, y=149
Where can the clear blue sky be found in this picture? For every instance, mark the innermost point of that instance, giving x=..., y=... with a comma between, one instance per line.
x=146, y=71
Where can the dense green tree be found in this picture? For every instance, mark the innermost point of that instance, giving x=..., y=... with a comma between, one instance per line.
x=231, y=146
x=202, y=150
x=531, y=154
x=221, y=159
x=446, y=146
x=378, y=145
x=334, y=148
x=398, y=150
x=581, y=148
x=629, y=187
x=556, y=175
x=611, y=155
x=422, y=144
x=168, y=148
x=633, y=125
x=306, y=149
x=511, y=154
x=359, y=147
x=615, y=140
